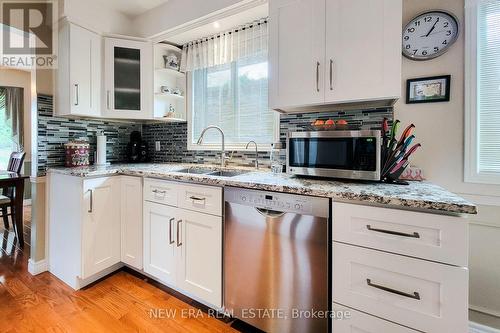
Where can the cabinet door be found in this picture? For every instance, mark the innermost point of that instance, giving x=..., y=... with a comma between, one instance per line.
x=101, y=224
x=128, y=79
x=296, y=53
x=79, y=75
x=131, y=221
x=363, y=50
x=159, y=241
x=200, y=256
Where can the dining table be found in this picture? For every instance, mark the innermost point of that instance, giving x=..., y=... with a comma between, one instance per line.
x=15, y=180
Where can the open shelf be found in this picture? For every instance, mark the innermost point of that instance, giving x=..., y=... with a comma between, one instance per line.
x=171, y=71
x=168, y=95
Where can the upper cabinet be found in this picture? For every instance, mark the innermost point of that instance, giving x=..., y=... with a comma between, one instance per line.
x=79, y=72
x=128, y=79
x=334, y=52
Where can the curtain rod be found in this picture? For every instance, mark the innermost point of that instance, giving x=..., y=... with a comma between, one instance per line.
x=204, y=39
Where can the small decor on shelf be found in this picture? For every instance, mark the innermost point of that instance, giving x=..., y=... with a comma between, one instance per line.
x=165, y=90
x=171, y=112
x=428, y=89
x=395, y=153
x=171, y=61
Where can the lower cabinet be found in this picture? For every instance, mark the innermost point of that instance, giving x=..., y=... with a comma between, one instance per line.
x=183, y=248
x=131, y=221
x=101, y=225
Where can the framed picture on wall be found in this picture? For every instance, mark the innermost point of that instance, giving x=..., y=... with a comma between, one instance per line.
x=428, y=89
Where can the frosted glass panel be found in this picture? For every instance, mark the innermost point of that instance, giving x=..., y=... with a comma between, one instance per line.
x=127, y=78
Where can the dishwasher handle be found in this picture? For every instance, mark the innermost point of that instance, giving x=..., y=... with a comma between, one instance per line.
x=274, y=214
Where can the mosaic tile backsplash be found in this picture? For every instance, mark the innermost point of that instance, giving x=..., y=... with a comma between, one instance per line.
x=54, y=132
x=173, y=136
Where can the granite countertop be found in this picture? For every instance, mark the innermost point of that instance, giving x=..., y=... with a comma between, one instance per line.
x=417, y=195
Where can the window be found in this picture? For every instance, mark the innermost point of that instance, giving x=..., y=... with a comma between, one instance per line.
x=234, y=97
x=6, y=143
x=482, y=87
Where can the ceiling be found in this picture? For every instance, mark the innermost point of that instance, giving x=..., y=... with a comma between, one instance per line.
x=223, y=24
x=133, y=8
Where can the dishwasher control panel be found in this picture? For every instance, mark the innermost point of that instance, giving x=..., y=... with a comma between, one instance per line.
x=283, y=202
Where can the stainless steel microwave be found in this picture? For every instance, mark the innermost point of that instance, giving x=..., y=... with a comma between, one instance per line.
x=335, y=154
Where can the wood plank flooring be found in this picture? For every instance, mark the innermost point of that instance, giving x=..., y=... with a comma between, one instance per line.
x=122, y=302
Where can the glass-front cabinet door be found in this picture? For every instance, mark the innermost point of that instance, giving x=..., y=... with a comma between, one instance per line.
x=128, y=79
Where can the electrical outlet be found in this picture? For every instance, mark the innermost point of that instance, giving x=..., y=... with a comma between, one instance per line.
x=157, y=146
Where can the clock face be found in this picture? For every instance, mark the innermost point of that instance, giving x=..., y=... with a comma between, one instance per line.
x=429, y=35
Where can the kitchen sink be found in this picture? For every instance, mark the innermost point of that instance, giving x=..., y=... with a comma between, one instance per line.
x=197, y=171
x=227, y=173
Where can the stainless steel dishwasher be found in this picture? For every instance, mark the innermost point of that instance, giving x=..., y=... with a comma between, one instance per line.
x=276, y=255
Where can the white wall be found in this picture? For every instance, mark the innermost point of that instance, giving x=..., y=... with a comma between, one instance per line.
x=175, y=13
x=440, y=126
x=19, y=78
x=440, y=129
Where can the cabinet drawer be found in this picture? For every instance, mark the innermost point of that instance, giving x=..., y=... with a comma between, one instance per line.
x=429, y=236
x=160, y=191
x=423, y=295
x=205, y=199
x=359, y=322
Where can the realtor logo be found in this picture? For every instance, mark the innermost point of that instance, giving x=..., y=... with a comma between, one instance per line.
x=29, y=33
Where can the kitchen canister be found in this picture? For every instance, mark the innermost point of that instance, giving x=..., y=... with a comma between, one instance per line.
x=77, y=153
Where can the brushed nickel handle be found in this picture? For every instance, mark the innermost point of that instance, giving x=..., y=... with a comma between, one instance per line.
x=107, y=99
x=331, y=74
x=77, y=98
x=178, y=237
x=158, y=191
x=197, y=198
x=391, y=232
x=91, y=206
x=317, y=76
x=414, y=295
x=170, y=231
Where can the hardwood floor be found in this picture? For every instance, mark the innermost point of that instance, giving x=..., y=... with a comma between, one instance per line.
x=120, y=303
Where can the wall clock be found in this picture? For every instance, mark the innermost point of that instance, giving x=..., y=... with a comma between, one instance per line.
x=429, y=35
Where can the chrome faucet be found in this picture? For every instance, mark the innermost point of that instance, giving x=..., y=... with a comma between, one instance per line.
x=256, y=153
x=223, y=151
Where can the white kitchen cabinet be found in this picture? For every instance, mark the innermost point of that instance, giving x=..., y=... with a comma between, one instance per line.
x=128, y=79
x=160, y=241
x=296, y=52
x=334, y=52
x=200, y=256
x=101, y=224
x=131, y=221
x=79, y=72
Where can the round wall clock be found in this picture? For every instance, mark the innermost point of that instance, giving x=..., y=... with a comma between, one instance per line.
x=429, y=35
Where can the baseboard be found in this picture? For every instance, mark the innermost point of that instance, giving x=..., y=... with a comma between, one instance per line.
x=478, y=328
x=37, y=267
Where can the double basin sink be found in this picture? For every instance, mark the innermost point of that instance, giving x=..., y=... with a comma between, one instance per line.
x=212, y=172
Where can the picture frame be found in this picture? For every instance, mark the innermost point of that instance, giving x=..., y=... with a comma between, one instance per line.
x=431, y=89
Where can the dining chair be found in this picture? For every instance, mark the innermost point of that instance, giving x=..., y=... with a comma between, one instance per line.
x=6, y=198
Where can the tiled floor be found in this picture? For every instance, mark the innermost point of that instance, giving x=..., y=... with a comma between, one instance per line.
x=122, y=302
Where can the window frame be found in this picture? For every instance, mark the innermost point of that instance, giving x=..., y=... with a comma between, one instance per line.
x=217, y=146
x=471, y=153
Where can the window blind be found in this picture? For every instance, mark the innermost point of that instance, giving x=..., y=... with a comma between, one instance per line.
x=488, y=86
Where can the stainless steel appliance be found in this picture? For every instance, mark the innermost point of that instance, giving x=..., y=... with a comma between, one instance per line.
x=276, y=259
x=336, y=154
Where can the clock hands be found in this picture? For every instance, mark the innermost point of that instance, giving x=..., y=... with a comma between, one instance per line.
x=436, y=32
x=433, y=27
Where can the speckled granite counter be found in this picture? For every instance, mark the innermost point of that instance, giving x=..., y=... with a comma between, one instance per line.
x=417, y=195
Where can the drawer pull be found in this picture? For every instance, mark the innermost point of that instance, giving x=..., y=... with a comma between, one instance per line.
x=196, y=198
x=397, y=233
x=159, y=192
x=415, y=294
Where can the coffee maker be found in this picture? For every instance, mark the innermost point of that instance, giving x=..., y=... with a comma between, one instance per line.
x=137, y=149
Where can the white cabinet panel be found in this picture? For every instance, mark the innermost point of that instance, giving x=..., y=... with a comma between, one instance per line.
x=159, y=241
x=296, y=52
x=420, y=294
x=101, y=224
x=429, y=236
x=200, y=256
x=363, y=50
x=131, y=221
x=161, y=191
x=79, y=72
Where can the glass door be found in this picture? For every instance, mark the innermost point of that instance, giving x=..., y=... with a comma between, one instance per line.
x=127, y=78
